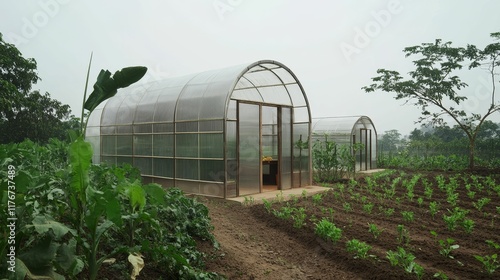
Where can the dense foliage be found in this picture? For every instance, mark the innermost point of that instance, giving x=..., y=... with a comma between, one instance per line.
x=25, y=114
x=332, y=161
x=65, y=231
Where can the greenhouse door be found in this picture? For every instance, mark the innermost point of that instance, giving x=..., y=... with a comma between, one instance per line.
x=365, y=152
x=249, y=179
x=264, y=148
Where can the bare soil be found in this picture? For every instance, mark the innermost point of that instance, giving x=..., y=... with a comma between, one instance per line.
x=255, y=244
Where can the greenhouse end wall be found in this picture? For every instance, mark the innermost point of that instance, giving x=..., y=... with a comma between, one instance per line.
x=222, y=133
x=348, y=131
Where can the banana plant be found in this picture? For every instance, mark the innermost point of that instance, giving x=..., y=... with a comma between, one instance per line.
x=107, y=86
x=96, y=211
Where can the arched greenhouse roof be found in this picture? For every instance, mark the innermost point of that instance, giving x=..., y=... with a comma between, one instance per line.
x=341, y=125
x=203, y=96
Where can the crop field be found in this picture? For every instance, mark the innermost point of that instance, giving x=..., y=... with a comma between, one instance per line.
x=389, y=225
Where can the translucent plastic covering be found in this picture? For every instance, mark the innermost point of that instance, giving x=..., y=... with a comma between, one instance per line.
x=198, y=133
x=348, y=131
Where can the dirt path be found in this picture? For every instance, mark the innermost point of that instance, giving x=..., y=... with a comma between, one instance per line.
x=254, y=249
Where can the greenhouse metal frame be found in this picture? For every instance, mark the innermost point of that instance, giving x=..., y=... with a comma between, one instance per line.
x=349, y=130
x=224, y=133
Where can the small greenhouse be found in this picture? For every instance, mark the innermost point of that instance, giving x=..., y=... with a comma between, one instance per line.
x=222, y=133
x=350, y=130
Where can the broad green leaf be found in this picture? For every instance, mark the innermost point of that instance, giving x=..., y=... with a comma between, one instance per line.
x=94, y=195
x=73, y=135
x=21, y=269
x=137, y=195
x=66, y=255
x=96, y=207
x=80, y=156
x=129, y=75
x=113, y=211
x=39, y=257
x=23, y=272
x=42, y=224
x=106, y=86
x=102, y=228
x=67, y=260
x=77, y=266
x=155, y=192
x=23, y=181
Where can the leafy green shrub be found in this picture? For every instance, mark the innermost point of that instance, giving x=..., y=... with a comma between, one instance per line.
x=299, y=216
x=403, y=236
x=408, y=216
x=332, y=161
x=328, y=231
x=359, y=248
x=347, y=207
x=468, y=225
x=316, y=198
x=456, y=216
x=489, y=262
x=285, y=212
x=405, y=260
x=373, y=229
x=481, y=203
x=368, y=207
x=434, y=208
x=121, y=216
x=267, y=205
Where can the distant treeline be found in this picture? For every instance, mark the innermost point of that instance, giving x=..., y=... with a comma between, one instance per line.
x=444, y=140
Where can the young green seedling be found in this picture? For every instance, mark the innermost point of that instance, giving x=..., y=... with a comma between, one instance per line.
x=373, y=229
x=447, y=247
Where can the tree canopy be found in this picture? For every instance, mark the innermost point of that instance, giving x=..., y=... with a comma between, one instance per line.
x=435, y=87
x=25, y=114
x=39, y=118
x=17, y=75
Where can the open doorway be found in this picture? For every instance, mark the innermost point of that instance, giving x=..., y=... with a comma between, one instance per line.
x=264, y=148
x=365, y=153
x=270, y=148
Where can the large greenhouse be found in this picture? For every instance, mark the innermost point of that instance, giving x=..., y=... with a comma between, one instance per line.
x=348, y=131
x=222, y=133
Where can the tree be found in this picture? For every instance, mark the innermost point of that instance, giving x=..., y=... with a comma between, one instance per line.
x=390, y=140
x=433, y=85
x=25, y=114
x=448, y=134
x=38, y=118
x=489, y=130
x=417, y=135
x=17, y=75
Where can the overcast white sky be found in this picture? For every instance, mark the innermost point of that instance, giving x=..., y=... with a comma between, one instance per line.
x=333, y=47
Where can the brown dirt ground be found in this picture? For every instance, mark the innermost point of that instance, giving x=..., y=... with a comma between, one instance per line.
x=257, y=245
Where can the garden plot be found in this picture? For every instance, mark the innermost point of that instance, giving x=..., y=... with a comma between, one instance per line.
x=395, y=224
